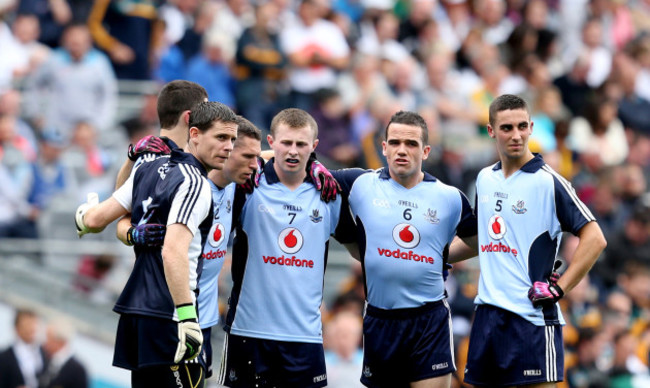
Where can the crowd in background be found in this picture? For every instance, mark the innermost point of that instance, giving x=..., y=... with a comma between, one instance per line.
x=582, y=65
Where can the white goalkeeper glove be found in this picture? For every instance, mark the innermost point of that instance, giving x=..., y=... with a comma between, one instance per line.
x=92, y=200
x=190, y=337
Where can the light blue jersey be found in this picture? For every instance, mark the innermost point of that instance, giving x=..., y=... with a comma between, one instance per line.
x=214, y=253
x=279, y=258
x=520, y=223
x=402, y=234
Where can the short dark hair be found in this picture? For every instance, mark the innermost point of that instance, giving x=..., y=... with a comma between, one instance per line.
x=206, y=113
x=175, y=98
x=294, y=118
x=409, y=118
x=247, y=129
x=506, y=102
x=22, y=313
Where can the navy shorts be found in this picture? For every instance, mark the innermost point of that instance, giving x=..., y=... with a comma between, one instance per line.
x=254, y=362
x=505, y=350
x=406, y=345
x=144, y=341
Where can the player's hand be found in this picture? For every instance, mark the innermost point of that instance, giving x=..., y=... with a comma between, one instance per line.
x=91, y=200
x=323, y=179
x=146, y=235
x=254, y=181
x=190, y=337
x=543, y=294
x=148, y=144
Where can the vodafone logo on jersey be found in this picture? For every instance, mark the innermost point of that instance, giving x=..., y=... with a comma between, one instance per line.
x=290, y=240
x=217, y=234
x=406, y=236
x=497, y=227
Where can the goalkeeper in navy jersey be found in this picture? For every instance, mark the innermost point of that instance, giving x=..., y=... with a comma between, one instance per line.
x=523, y=206
x=158, y=336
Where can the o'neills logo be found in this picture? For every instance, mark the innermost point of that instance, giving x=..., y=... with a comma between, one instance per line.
x=290, y=240
x=288, y=261
x=217, y=234
x=405, y=255
x=498, y=247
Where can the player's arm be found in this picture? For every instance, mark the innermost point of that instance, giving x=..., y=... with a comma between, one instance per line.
x=176, y=262
x=95, y=218
x=463, y=248
x=591, y=244
x=124, y=173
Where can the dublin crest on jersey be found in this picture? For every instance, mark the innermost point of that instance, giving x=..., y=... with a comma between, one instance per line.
x=432, y=216
x=519, y=208
x=315, y=217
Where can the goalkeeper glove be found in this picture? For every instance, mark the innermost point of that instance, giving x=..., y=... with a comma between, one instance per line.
x=254, y=181
x=148, y=144
x=190, y=337
x=322, y=179
x=543, y=294
x=91, y=200
x=148, y=235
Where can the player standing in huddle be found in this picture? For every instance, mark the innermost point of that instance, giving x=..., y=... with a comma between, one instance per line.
x=274, y=323
x=405, y=220
x=158, y=334
x=523, y=206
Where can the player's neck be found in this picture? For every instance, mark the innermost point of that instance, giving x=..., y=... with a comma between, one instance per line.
x=511, y=166
x=408, y=182
x=219, y=178
x=290, y=179
x=177, y=134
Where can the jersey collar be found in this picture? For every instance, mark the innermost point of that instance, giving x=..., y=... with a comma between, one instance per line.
x=531, y=166
x=272, y=176
x=170, y=143
x=185, y=157
x=385, y=174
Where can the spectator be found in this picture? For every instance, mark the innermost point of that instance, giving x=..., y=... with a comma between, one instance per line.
x=26, y=29
x=128, y=31
x=343, y=355
x=76, y=84
x=23, y=361
x=316, y=49
x=335, y=140
x=211, y=68
x=261, y=78
x=599, y=136
x=52, y=16
x=63, y=369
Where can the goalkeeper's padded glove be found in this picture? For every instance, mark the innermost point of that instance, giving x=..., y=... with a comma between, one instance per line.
x=148, y=144
x=146, y=235
x=91, y=200
x=190, y=337
x=543, y=294
x=323, y=179
x=254, y=181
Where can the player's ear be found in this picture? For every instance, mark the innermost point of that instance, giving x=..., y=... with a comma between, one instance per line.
x=427, y=150
x=490, y=131
x=383, y=148
x=315, y=144
x=186, y=117
x=194, y=133
x=269, y=139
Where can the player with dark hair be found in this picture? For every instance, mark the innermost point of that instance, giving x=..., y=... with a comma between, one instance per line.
x=523, y=206
x=404, y=221
x=158, y=336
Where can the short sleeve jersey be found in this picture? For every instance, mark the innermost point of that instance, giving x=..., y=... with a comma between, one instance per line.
x=402, y=234
x=214, y=253
x=279, y=258
x=167, y=190
x=520, y=223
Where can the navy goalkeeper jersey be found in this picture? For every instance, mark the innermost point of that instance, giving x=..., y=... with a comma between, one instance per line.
x=167, y=191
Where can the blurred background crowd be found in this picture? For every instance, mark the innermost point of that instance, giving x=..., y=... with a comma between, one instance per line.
x=79, y=78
